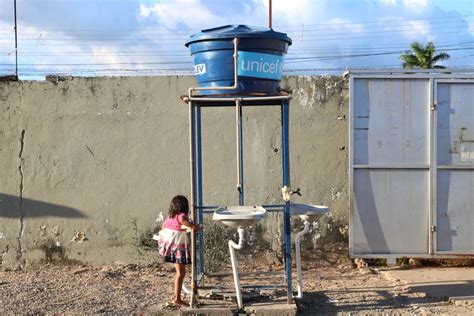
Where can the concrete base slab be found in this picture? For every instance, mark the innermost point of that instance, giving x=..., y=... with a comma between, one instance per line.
x=444, y=283
x=257, y=309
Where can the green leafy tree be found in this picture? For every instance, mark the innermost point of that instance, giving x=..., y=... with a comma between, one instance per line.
x=422, y=56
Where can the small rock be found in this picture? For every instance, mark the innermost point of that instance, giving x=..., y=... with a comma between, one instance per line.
x=360, y=263
x=421, y=294
x=414, y=262
x=270, y=293
x=366, y=270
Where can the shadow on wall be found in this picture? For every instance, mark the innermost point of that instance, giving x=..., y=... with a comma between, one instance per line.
x=10, y=206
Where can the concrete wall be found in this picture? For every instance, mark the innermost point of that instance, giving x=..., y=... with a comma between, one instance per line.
x=87, y=164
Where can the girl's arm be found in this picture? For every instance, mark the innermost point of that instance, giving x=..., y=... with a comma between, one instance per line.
x=186, y=222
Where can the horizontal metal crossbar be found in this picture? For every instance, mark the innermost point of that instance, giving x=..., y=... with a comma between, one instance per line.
x=221, y=274
x=228, y=101
x=273, y=286
x=458, y=167
x=393, y=166
x=269, y=208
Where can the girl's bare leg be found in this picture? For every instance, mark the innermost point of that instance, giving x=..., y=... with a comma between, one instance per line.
x=178, y=283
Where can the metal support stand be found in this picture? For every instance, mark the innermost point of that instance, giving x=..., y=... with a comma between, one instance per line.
x=197, y=206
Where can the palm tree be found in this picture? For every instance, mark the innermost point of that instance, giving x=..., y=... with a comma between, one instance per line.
x=422, y=56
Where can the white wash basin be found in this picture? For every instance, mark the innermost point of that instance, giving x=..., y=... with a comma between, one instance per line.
x=308, y=212
x=239, y=216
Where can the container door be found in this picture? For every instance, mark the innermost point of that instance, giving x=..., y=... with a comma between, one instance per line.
x=454, y=218
x=390, y=166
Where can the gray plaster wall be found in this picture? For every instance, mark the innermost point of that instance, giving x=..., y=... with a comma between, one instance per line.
x=88, y=164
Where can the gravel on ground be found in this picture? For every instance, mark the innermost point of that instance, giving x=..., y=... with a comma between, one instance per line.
x=331, y=285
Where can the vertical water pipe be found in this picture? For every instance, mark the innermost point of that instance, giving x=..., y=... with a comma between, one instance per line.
x=193, y=199
x=285, y=120
x=299, y=280
x=200, y=202
x=240, y=154
x=233, y=259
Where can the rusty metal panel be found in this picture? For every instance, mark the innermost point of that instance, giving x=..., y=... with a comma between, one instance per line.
x=390, y=212
x=455, y=179
x=391, y=121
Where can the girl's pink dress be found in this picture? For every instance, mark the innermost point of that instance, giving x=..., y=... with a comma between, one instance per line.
x=173, y=241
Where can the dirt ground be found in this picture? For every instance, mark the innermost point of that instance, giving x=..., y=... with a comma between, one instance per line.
x=331, y=285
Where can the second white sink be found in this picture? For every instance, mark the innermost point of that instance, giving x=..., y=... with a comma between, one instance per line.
x=308, y=212
x=239, y=216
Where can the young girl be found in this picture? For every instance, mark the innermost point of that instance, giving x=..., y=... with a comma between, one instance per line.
x=173, y=243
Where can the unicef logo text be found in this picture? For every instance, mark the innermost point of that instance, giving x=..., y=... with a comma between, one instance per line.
x=260, y=65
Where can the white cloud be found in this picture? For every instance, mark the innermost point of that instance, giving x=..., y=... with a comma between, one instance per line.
x=108, y=55
x=346, y=24
x=389, y=2
x=416, y=29
x=191, y=13
x=471, y=27
x=410, y=4
x=295, y=12
x=416, y=4
x=298, y=8
x=411, y=29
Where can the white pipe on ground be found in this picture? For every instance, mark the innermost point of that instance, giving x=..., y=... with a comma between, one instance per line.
x=233, y=259
x=299, y=280
x=186, y=289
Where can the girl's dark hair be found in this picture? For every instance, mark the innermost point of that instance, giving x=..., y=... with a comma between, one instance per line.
x=179, y=204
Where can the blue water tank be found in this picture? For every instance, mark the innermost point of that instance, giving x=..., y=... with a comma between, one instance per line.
x=260, y=59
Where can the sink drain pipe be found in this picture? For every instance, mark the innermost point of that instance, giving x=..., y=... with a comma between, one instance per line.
x=233, y=259
x=299, y=280
x=186, y=289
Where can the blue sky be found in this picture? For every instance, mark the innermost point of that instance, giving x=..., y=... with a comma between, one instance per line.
x=102, y=37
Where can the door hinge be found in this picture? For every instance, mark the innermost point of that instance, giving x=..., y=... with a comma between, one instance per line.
x=433, y=228
x=433, y=106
